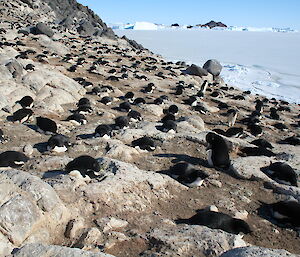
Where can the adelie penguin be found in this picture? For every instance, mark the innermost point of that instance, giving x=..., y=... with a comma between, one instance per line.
x=139, y=101
x=12, y=159
x=134, y=116
x=217, y=151
x=217, y=220
x=149, y=88
x=231, y=115
x=144, y=143
x=173, y=109
x=2, y=139
x=129, y=97
x=187, y=174
x=85, y=164
x=169, y=126
x=26, y=102
x=83, y=101
x=293, y=140
x=282, y=173
x=22, y=115
x=45, y=125
x=77, y=119
x=103, y=130
x=121, y=122
x=262, y=143
x=58, y=143
x=259, y=106
x=106, y=100
x=125, y=107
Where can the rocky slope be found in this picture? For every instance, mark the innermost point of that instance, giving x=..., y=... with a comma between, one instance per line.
x=131, y=207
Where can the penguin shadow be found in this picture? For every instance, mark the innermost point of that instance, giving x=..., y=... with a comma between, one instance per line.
x=32, y=127
x=41, y=147
x=185, y=158
x=53, y=173
x=10, y=118
x=86, y=136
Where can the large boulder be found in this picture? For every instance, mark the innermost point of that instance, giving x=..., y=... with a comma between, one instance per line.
x=213, y=67
x=255, y=251
x=196, y=71
x=42, y=28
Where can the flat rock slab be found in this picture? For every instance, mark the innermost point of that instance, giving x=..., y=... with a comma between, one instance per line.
x=254, y=251
x=40, y=250
x=188, y=240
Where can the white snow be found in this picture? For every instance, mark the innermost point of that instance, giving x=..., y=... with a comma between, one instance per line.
x=263, y=62
x=141, y=25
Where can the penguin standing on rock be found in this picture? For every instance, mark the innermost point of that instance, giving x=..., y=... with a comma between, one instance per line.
x=26, y=102
x=232, y=115
x=218, y=152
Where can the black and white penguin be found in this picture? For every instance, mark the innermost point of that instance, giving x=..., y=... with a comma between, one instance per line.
x=86, y=165
x=257, y=151
x=12, y=159
x=139, y=100
x=169, y=126
x=26, y=102
x=22, y=115
x=168, y=116
x=58, y=143
x=287, y=213
x=187, y=174
x=234, y=132
x=134, y=116
x=144, y=143
x=129, y=96
x=280, y=126
x=122, y=122
x=259, y=106
x=103, y=130
x=179, y=90
x=218, y=220
x=255, y=130
x=84, y=109
x=107, y=100
x=203, y=88
x=282, y=173
x=273, y=114
x=173, y=109
x=293, y=140
x=83, y=101
x=262, y=143
x=218, y=152
x=125, y=107
x=192, y=101
x=77, y=119
x=2, y=139
x=45, y=125
x=158, y=101
x=149, y=88
x=29, y=67
x=231, y=115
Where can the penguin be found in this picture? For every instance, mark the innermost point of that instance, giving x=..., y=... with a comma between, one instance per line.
x=83, y=101
x=1, y=136
x=158, y=101
x=282, y=173
x=220, y=132
x=192, y=101
x=255, y=130
x=139, y=100
x=77, y=119
x=173, y=109
x=22, y=115
x=217, y=220
x=29, y=67
x=129, y=96
x=45, y=125
x=124, y=107
x=203, y=88
x=95, y=91
x=287, y=213
x=169, y=126
x=134, y=116
x=122, y=122
x=187, y=174
x=234, y=132
x=259, y=106
x=73, y=68
x=168, y=116
x=280, y=126
x=113, y=78
x=232, y=115
x=103, y=130
x=273, y=114
x=293, y=140
x=58, y=143
x=12, y=159
x=257, y=151
x=85, y=164
x=179, y=90
x=149, y=88
x=144, y=143
x=26, y=102
x=262, y=143
x=106, y=100
x=84, y=109
x=218, y=152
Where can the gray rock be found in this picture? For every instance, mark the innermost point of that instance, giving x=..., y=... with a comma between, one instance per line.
x=15, y=68
x=18, y=217
x=196, y=70
x=255, y=251
x=40, y=250
x=86, y=28
x=187, y=240
x=42, y=28
x=213, y=67
x=108, y=33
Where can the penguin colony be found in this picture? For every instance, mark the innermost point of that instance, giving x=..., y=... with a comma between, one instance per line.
x=129, y=107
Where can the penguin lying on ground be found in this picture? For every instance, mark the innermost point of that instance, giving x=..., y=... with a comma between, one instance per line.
x=144, y=143
x=58, y=143
x=217, y=220
x=12, y=159
x=45, y=125
x=282, y=173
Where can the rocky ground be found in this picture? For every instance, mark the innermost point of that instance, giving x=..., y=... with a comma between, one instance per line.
x=130, y=210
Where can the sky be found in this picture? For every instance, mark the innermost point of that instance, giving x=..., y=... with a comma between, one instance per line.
x=255, y=13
